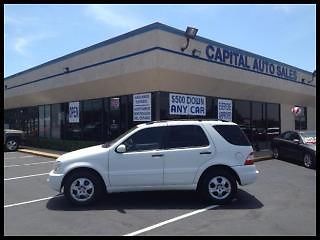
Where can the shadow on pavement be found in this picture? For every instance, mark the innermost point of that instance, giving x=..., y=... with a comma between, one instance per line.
x=155, y=200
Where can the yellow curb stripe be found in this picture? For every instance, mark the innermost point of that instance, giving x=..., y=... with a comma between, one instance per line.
x=50, y=155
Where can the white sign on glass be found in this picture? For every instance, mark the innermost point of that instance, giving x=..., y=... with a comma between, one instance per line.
x=225, y=109
x=74, y=112
x=142, y=107
x=180, y=104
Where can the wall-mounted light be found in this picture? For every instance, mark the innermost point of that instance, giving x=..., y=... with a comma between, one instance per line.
x=66, y=69
x=196, y=52
x=314, y=75
x=190, y=33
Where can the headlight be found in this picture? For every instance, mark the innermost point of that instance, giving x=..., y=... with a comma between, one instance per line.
x=57, y=167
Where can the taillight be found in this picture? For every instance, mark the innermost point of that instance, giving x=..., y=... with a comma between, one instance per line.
x=249, y=160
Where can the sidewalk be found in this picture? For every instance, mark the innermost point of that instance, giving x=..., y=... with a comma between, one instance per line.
x=258, y=156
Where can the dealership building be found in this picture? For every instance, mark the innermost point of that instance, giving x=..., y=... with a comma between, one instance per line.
x=153, y=73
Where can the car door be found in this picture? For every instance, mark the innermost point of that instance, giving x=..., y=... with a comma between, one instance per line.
x=295, y=148
x=186, y=149
x=285, y=144
x=142, y=163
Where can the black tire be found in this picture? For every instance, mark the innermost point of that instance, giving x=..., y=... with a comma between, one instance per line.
x=12, y=144
x=308, y=160
x=275, y=153
x=222, y=188
x=82, y=180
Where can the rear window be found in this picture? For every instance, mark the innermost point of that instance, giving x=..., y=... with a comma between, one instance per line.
x=233, y=134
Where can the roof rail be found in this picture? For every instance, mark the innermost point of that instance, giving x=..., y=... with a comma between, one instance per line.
x=187, y=119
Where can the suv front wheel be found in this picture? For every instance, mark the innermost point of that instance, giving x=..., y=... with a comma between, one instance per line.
x=12, y=144
x=82, y=188
x=219, y=187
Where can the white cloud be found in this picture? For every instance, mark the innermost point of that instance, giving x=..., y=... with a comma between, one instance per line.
x=22, y=44
x=110, y=16
x=285, y=8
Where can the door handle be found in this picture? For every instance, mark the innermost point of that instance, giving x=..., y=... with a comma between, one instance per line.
x=157, y=155
x=205, y=152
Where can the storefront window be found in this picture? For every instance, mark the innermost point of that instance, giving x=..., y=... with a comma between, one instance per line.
x=41, y=121
x=47, y=120
x=241, y=116
x=92, y=120
x=273, y=120
x=56, y=120
x=259, y=125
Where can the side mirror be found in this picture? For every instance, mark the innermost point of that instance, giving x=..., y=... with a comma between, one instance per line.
x=296, y=141
x=121, y=148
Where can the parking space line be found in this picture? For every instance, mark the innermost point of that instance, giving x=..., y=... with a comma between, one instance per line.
x=18, y=157
x=171, y=220
x=8, y=179
x=28, y=164
x=32, y=201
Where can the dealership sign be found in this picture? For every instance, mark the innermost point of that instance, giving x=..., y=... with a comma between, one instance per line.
x=250, y=62
x=142, y=107
x=180, y=104
x=74, y=112
x=225, y=109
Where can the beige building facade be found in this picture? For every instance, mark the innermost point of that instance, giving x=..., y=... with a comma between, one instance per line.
x=150, y=60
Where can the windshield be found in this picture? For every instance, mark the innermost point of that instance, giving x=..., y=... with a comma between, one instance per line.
x=108, y=144
x=308, y=137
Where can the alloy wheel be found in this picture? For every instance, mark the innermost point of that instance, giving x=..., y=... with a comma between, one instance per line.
x=219, y=187
x=307, y=161
x=82, y=189
x=12, y=145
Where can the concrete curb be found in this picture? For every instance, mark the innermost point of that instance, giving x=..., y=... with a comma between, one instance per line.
x=38, y=153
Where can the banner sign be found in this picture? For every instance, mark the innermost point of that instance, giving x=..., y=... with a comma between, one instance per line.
x=74, y=112
x=180, y=104
x=114, y=104
x=255, y=63
x=296, y=111
x=225, y=109
x=142, y=107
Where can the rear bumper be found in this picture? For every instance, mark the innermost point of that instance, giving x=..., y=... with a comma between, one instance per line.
x=247, y=174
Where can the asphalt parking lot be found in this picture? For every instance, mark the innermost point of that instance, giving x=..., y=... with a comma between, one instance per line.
x=281, y=202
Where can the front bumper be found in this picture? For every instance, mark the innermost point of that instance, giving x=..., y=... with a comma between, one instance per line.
x=247, y=174
x=55, y=180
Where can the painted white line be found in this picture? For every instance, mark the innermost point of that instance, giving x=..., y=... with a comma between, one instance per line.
x=32, y=201
x=18, y=157
x=28, y=164
x=7, y=179
x=170, y=220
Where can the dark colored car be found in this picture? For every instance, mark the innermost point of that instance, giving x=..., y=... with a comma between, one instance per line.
x=13, y=139
x=296, y=145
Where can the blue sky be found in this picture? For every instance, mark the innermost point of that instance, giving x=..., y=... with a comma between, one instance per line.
x=37, y=33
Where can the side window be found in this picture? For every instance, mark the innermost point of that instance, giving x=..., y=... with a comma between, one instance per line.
x=232, y=134
x=286, y=135
x=294, y=136
x=145, y=139
x=186, y=136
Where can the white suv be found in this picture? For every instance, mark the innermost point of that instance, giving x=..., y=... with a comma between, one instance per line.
x=208, y=156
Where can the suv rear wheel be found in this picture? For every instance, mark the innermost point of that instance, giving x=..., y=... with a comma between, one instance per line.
x=12, y=144
x=219, y=187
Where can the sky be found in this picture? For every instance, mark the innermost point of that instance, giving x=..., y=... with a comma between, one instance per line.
x=37, y=33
